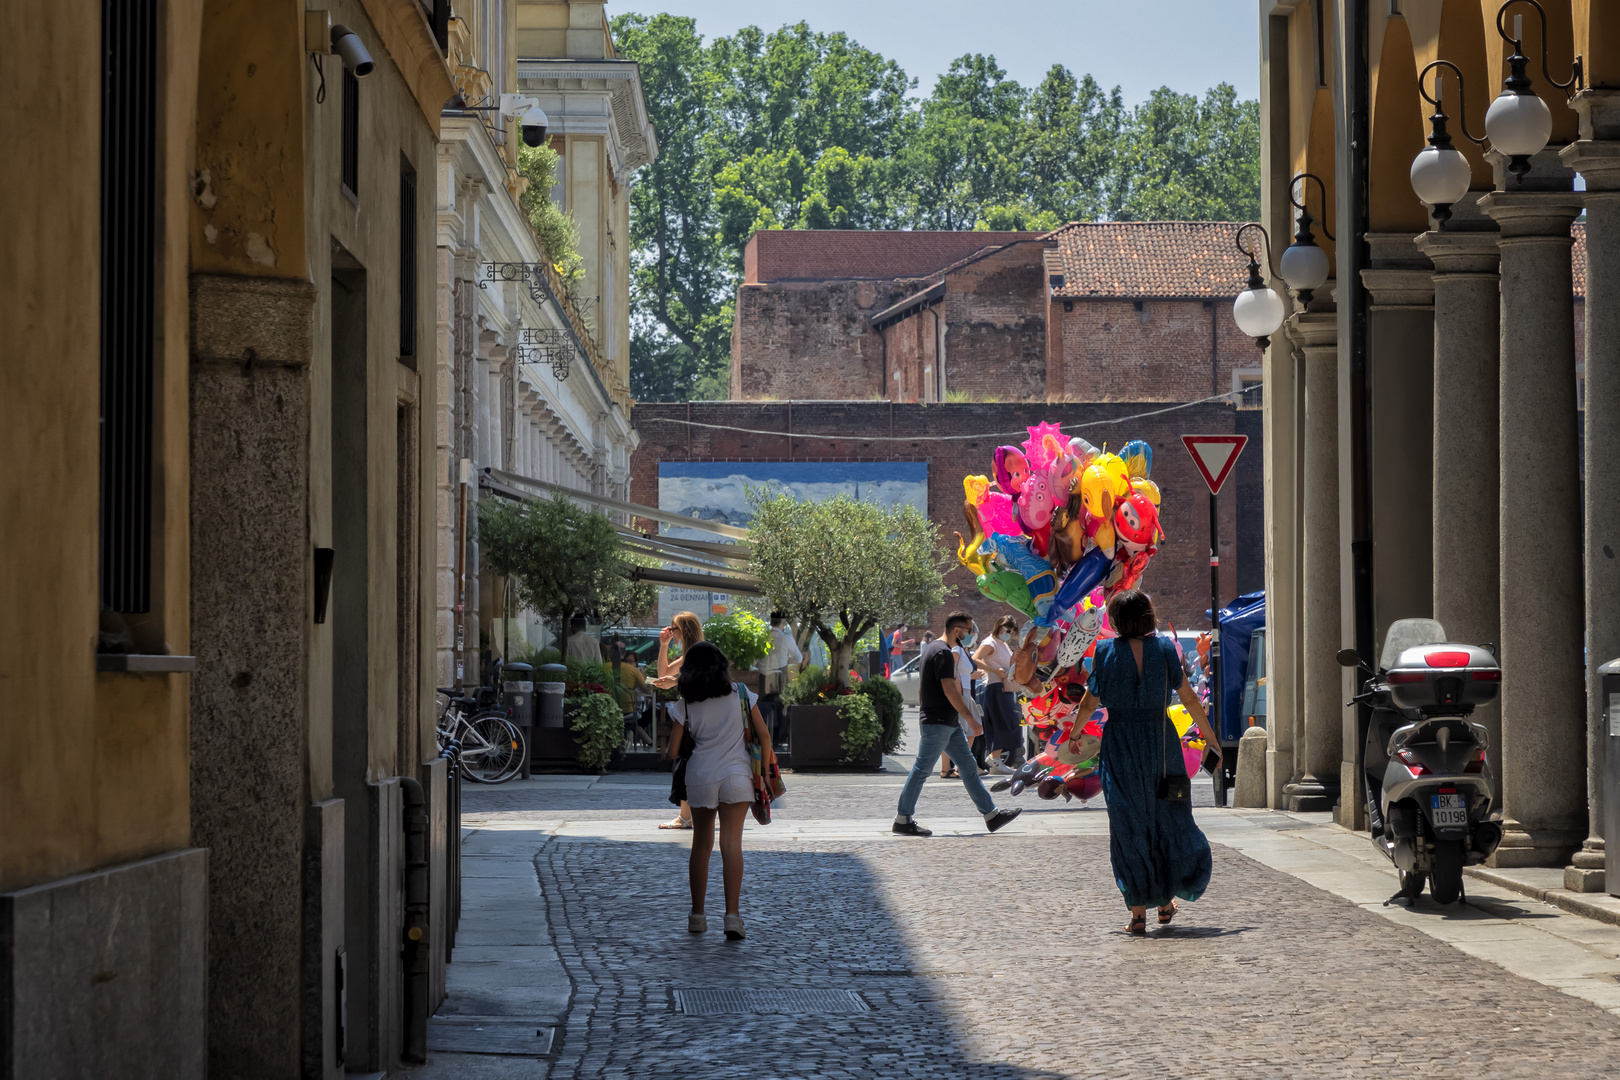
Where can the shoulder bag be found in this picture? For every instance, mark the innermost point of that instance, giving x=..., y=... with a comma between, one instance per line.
x=1172, y=789
x=683, y=754
x=767, y=779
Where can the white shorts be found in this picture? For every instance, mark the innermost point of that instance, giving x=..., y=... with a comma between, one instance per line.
x=736, y=788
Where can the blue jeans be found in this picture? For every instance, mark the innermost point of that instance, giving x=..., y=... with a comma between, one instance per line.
x=951, y=740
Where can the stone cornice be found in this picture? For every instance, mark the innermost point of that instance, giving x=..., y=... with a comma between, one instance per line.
x=1598, y=162
x=403, y=31
x=620, y=80
x=1461, y=252
x=1542, y=215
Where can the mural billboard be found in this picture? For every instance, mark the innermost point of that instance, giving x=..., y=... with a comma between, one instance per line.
x=718, y=491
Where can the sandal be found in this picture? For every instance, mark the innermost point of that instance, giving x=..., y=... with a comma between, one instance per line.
x=1168, y=913
x=1137, y=926
x=677, y=822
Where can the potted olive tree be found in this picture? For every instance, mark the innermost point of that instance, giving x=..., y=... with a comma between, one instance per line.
x=842, y=567
x=567, y=561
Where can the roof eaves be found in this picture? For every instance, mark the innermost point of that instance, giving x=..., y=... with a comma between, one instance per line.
x=915, y=302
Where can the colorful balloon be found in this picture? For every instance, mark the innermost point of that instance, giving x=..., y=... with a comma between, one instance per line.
x=1138, y=458
x=1082, y=577
x=1012, y=469
x=1009, y=587
x=1136, y=522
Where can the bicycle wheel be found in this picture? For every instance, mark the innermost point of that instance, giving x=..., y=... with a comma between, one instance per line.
x=490, y=748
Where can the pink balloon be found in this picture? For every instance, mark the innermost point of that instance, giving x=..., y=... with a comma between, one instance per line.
x=1193, y=758
x=997, y=515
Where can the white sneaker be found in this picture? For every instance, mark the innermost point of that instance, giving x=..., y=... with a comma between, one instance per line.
x=734, y=928
x=1001, y=770
x=697, y=924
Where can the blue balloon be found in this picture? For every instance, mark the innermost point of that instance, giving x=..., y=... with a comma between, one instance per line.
x=1137, y=449
x=1083, y=576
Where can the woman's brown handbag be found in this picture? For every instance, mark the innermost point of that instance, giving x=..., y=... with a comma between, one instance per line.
x=767, y=779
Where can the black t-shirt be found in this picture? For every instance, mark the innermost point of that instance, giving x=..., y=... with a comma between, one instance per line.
x=933, y=672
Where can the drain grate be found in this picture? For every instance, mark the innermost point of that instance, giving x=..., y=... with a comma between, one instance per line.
x=765, y=1002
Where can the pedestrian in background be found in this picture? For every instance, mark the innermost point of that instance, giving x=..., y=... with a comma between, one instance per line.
x=774, y=668
x=946, y=721
x=686, y=626
x=719, y=776
x=582, y=645
x=1001, y=729
x=1157, y=852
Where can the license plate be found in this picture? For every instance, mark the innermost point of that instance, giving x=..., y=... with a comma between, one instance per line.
x=1449, y=810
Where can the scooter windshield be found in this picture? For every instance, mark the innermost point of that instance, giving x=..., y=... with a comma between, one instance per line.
x=1406, y=634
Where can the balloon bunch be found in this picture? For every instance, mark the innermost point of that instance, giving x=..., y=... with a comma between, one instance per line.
x=1062, y=527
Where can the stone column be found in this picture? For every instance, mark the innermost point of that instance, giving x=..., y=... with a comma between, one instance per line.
x=1543, y=680
x=1281, y=364
x=1596, y=156
x=1467, y=337
x=1317, y=744
x=1400, y=344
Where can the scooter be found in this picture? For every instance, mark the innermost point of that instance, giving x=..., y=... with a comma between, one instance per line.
x=1431, y=795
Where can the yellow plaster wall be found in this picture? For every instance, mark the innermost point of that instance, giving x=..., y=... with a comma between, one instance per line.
x=1560, y=53
x=249, y=217
x=1398, y=134
x=96, y=770
x=587, y=183
x=573, y=28
x=1597, y=40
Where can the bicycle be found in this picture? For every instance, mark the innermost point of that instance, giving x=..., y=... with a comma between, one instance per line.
x=486, y=747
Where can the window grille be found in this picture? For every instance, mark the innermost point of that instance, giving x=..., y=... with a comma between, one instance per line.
x=407, y=263
x=128, y=268
x=351, y=133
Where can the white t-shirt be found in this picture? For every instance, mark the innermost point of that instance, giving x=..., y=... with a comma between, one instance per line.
x=784, y=651
x=716, y=726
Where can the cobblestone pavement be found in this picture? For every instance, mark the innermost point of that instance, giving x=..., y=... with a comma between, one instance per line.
x=996, y=958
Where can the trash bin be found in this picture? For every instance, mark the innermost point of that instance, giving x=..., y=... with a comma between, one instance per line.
x=517, y=687
x=550, y=691
x=1610, y=675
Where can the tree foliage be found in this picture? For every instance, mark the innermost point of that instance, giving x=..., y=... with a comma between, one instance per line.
x=564, y=561
x=796, y=129
x=842, y=567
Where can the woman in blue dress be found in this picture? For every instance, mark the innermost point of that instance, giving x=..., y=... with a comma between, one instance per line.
x=1157, y=851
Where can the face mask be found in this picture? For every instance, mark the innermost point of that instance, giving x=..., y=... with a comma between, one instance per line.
x=969, y=637
x=1006, y=635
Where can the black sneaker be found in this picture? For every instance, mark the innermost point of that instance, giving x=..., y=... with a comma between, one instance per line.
x=911, y=828
x=999, y=818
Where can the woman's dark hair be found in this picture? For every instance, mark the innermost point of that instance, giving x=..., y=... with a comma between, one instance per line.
x=705, y=673
x=1130, y=613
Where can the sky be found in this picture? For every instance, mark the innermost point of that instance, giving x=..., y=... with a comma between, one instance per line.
x=1188, y=45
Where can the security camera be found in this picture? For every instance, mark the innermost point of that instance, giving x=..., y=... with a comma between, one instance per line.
x=533, y=122
x=534, y=126
x=347, y=44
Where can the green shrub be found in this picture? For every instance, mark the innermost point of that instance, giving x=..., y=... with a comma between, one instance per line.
x=523, y=653
x=598, y=728
x=888, y=701
x=744, y=638
x=862, y=730
x=806, y=688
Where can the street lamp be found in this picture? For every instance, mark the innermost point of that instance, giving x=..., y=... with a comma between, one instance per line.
x=1258, y=310
x=1304, y=265
x=1440, y=173
x=1518, y=122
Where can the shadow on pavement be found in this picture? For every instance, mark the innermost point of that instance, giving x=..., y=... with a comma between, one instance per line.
x=817, y=921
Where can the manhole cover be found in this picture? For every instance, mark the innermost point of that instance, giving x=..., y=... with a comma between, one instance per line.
x=791, y=1002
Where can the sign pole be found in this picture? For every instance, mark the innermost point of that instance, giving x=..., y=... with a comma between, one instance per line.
x=1214, y=619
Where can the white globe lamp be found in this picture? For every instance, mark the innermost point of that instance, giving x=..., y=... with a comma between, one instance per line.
x=1518, y=125
x=1440, y=176
x=1305, y=267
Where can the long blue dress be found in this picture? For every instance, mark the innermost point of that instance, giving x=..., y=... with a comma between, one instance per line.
x=1157, y=851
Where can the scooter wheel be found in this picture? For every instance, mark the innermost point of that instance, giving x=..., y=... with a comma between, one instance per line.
x=1445, y=880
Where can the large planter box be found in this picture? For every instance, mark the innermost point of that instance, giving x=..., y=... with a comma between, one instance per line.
x=815, y=740
x=751, y=679
x=553, y=750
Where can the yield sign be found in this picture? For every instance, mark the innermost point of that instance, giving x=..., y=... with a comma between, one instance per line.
x=1215, y=455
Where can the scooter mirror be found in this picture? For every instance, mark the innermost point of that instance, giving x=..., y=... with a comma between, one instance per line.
x=1348, y=658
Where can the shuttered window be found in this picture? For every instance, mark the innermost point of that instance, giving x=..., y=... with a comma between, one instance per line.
x=128, y=269
x=351, y=133
x=407, y=265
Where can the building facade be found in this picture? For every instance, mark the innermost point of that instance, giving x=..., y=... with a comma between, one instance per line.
x=236, y=629
x=1440, y=417
x=535, y=372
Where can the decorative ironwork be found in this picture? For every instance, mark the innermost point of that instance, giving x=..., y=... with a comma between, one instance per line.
x=541, y=345
x=531, y=274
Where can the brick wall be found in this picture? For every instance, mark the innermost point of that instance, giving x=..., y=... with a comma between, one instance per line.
x=810, y=339
x=847, y=430
x=1151, y=350
x=995, y=326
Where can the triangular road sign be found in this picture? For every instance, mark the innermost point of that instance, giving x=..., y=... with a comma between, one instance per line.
x=1215, y=455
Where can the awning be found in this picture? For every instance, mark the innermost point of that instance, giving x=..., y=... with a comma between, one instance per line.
x=513, y=480
x=720, y=583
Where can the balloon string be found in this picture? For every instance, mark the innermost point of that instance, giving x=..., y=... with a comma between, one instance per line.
x=1021, y=432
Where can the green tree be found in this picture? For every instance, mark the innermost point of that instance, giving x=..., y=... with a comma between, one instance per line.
x=564, y=561
x=842, y=567
x=1185, y=159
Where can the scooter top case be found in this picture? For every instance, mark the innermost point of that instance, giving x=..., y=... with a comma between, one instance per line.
x=1443, y=679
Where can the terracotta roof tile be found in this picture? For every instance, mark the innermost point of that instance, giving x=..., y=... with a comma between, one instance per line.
x=863, y=254
x=1150, y=259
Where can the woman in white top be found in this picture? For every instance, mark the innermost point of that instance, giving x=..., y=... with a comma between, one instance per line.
x=1001, y=729
x=686, y=625
x=719, y=777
